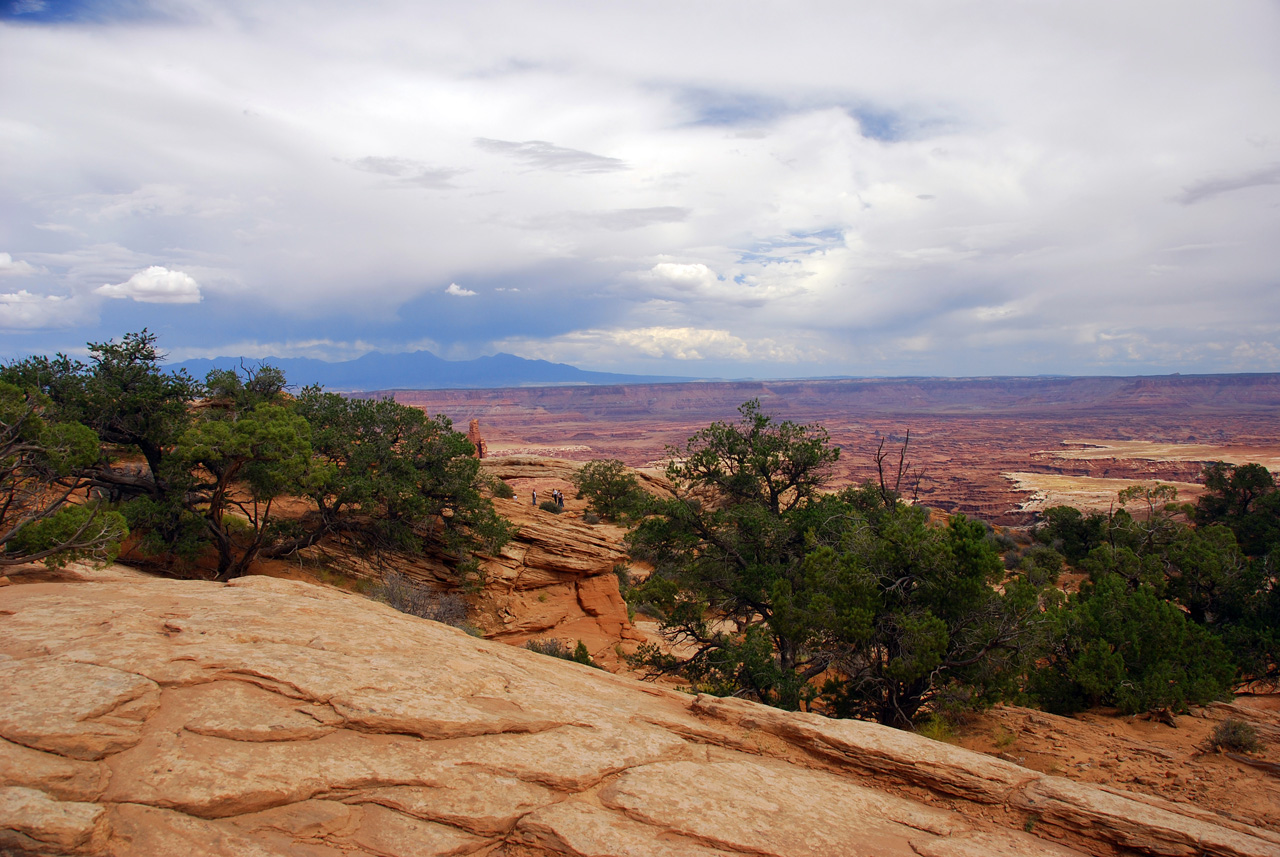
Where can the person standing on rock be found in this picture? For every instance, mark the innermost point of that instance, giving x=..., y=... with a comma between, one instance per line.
x=535, y=496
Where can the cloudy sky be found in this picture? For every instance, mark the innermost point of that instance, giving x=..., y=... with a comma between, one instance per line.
x=720, y=188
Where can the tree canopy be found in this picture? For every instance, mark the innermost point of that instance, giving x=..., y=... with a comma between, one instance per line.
x=611, y=490
x=852, y=600
x=41, y=462
x=216, y=457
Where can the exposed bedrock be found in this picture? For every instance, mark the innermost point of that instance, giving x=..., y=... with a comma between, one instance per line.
x=273, y=717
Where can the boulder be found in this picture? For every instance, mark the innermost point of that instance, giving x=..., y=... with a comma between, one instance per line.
x=273, y=717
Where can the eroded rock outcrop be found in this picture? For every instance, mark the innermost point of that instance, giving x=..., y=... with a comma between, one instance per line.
x=473, y=435
x=555, y=579
x=270, y=717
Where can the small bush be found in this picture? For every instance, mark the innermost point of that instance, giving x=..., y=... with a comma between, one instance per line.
x=1236, y=735
x=417, y=599
x=557, y=649
x=582, y=656
x=937, y=728
x=550, y=506
x=591, y=518
x=554, y=648
x=502, y=490
x=623, y=572
x=1002, y=737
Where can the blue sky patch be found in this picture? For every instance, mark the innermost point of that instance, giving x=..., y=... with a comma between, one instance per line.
x=718, y=107
x=75, y=11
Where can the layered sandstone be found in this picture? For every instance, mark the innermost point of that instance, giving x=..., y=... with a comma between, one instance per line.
x=553, y=580
x=271, y=717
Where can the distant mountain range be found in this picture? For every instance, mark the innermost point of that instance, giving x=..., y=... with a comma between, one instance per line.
x=422, y=370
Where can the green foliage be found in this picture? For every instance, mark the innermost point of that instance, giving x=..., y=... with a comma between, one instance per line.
x=123, y=394
x=246, y=389
x=758, y=461
x=1235, y=735
x=1243, y=498
x=72, y=532
x=1201, y=568
x=502, y=490
x=392, y=479
x=550, y=506
x=772, y=583
x=241, y=462
x=167, y=528
x=937, y=728
x=912, y=614
x=582, y=656
x=1120, y=644
x=1071, y=532
x=380, y=475
x=1041, y=565
x=557, y=649
x=611, y=490
x=45, y=511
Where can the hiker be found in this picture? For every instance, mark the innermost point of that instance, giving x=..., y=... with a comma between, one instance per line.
x=535, y=496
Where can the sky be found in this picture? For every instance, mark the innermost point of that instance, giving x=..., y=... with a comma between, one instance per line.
x=704, y=188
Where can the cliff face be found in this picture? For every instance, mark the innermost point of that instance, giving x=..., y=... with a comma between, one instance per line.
x=555, y=579
x=272, y=717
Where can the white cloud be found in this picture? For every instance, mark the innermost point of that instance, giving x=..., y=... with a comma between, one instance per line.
x=155, y=285
x=848, y=173
x=11, y=268
x=684, y=275
x=22, y=310
x=618, y=347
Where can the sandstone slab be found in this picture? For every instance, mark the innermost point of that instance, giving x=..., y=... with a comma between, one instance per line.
x=271, y=717
x=769, y=808
x=57, y=776
x=31, y=816
x=584, y=830
x=384, y=831
x=881, y=750
x=467, y=798
x=102, y=716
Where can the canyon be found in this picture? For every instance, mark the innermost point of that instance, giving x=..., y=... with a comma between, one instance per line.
x=996, y=448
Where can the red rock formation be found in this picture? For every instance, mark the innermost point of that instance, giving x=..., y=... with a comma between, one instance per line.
x=473, y=435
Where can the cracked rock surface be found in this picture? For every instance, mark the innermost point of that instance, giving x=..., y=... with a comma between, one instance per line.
x=270, y=717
